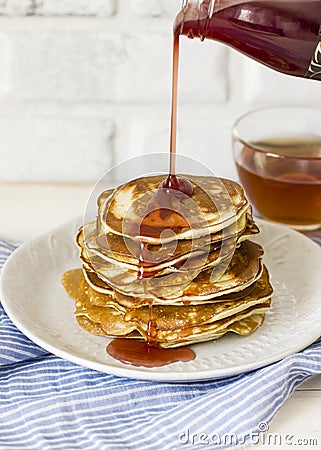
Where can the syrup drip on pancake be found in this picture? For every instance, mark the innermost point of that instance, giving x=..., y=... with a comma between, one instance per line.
x=178, y=184
x=147, y=353
x=164, y=212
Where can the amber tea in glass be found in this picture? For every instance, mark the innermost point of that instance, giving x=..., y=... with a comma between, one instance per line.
x=277, y=153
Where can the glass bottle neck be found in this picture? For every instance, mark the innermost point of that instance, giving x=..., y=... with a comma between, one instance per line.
x=198, y=12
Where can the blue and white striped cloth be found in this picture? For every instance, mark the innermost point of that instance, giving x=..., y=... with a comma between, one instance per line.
x=47, y=403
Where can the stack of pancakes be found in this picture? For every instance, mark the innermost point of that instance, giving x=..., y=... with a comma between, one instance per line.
x=190, y=267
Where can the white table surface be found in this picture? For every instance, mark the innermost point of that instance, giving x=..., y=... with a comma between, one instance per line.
x=28, y=210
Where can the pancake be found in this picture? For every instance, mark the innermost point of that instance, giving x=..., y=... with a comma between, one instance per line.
x=216, y=204
x=175, y=325
x=126, y=251
x=96, y=283
x=103, y=197
x=132, y=302
x=243, y=269
x=200, y=259
x=216, y=330
x=242, y=326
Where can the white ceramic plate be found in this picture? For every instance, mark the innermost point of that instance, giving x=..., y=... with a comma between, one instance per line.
x=37, y=304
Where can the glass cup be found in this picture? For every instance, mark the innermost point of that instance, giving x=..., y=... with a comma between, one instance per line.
x=277, y=152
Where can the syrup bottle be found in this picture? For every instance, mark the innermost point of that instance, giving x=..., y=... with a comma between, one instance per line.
x=285, y=35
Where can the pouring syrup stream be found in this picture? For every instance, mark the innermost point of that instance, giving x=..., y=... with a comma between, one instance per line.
x=171, y=191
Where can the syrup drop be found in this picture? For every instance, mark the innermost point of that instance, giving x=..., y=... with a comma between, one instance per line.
x=178, y=184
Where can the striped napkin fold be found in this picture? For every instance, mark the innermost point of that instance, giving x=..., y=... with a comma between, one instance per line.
x=47, y=403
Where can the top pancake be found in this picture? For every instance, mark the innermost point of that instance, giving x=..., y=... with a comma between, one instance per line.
x=215, y=204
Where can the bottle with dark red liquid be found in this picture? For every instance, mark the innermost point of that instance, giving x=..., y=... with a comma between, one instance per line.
x=285, y=35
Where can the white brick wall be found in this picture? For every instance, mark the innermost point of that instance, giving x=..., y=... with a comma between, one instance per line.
x=262, y=84
x=16, y=7
x=155, y=8
x=103, y=67
x=57, y=7
x=61, y=65
x=50, y=149
x=86, y=84
x=75, y=7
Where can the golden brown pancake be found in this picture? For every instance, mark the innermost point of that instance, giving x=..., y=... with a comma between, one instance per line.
x=125, y=251
x=243, y=269
x=132, y=302
x=175, y=325
x=201, y=259
x=216, y=204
